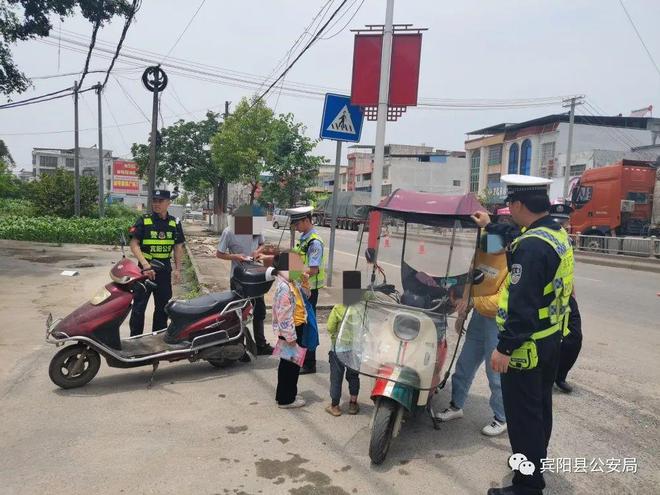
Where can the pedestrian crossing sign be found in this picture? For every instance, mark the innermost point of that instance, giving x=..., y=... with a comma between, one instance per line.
x=341, y=121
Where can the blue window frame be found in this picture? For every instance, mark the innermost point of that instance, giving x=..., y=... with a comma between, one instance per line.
x=526, y=157
x=513, y=158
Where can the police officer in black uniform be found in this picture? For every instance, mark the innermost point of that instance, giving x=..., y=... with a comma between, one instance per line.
x=534, y=264
x=571, y=344
x=154, y=237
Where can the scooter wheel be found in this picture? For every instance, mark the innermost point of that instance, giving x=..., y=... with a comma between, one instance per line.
x=383, y=427
x=220, y=362
x=66, y=371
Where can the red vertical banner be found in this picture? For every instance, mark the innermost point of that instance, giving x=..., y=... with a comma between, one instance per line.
x=366, y=69
x=404, y=72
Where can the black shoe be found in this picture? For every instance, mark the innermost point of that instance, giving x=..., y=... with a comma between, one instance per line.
x=265, y=350
x=514, y=490
x=563, y=386
x=307, y=370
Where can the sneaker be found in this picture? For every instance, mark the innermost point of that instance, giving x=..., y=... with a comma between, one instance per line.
x=299, y=402
x=493, y=429
x=449, y=414
x=334, y=410
x=353, y=408
x=265, y=350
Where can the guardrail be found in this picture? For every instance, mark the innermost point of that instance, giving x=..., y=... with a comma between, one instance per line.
x=644, y=247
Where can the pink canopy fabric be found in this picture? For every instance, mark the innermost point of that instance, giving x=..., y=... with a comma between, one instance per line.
x=406, y=201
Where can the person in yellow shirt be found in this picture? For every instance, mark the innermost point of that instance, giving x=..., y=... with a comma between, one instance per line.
x=480, y=340
x=337, y=368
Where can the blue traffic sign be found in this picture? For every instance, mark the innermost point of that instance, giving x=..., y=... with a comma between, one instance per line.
x=341, y=121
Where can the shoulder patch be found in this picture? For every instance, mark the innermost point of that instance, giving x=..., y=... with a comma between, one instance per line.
x=516, y=273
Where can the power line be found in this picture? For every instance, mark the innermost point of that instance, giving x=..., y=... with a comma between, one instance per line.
x=27, y=100
x=307, y=47
x=632, y=23
x=134, y=8
x=184, y=30
x=118, y=127
x=329, y=37
x=95, y=30
x=130, y=98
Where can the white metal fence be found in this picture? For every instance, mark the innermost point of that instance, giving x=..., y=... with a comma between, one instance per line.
x=628, y=246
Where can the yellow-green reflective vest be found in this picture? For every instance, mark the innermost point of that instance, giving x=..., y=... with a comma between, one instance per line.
x=156, y=243
x=561, y=285
x=318, y=280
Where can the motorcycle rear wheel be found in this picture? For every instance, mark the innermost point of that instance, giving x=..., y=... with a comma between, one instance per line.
x=62, y=367
x=383, y=427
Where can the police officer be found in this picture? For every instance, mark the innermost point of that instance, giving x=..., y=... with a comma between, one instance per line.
x=310, y=247
x=154, y=237
x=532, y=315
x=571, y=344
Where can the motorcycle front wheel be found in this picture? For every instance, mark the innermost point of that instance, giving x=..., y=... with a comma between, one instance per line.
x=74, y=366
x=383, y=427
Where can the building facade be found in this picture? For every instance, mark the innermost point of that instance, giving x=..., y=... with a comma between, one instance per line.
x=538, y=147
x=418, y=168
x=47, y=160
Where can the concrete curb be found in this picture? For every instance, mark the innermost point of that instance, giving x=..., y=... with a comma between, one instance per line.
x=195, y=266
x=619, y=261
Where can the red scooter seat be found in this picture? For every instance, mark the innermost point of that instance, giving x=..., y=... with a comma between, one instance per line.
x=200, y=306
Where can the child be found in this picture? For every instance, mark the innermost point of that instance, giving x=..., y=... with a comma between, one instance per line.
x=289, y=318
x=337, y=368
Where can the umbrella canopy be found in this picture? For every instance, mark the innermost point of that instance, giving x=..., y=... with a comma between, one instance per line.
x=405, y=203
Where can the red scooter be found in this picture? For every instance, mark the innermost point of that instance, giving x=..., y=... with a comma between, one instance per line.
x=212, y=327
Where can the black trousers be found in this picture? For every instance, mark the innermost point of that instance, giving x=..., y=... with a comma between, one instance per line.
x=287, y=377
x=572, y=343
x=527, y=398
x=258, y=317
x=162, y=294
x=310, y=357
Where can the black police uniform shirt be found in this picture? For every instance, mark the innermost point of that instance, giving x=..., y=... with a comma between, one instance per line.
x=536, y=263
x=160, y=225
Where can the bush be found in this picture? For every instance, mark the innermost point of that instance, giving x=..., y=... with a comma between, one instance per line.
x=118, y=210
x=52, y=194
x=17, y=207
x=64, y=230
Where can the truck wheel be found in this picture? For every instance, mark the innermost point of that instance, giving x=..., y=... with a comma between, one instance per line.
x=74, y=366
x=276, y=225
x=381, y=433
x=591, y=242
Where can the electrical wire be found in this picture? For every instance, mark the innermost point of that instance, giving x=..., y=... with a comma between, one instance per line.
x=27, y=100
x=330, y=36
x=177, y=98
x=117, y=126
x=641, y=40
x=307, y=47
x=95, y=30
x=134, y=8
x=130, y=98
x=184, y=30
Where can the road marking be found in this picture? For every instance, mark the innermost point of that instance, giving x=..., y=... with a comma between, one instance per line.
x=380, y=262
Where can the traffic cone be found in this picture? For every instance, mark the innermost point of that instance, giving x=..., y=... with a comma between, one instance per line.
x=386, y=241
x=421, y=249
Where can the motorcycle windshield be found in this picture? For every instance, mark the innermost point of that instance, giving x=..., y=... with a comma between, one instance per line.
x=392, y=342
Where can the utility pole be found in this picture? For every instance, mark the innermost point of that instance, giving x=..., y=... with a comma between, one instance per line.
x=383, y=97
x=99, y=88
x=152, y=146
x=570, y=102
x=333, y=224
x=223, y=189
x=76, y=153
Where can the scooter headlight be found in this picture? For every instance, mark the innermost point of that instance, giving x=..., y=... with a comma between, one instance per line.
x=406, y=327
x=100, y=296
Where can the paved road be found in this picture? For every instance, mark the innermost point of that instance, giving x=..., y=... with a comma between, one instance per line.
x=207, y=431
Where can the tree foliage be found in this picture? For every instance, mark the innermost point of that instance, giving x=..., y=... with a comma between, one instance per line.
x=291, y=166
x=184, y=155
x=10, y=185
x=53, y=194
x=244, y=144
x=21, y=20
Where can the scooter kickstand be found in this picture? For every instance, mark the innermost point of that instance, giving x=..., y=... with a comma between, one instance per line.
x=153, y=374
x=436, y=422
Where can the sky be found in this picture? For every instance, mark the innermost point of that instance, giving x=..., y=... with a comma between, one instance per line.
x=473, y=49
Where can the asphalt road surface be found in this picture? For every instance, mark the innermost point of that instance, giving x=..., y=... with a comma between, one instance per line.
x=207, y=431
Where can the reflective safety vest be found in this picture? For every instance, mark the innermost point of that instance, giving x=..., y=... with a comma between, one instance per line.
x=318, y=280
x=157, y=243
x=560, y=287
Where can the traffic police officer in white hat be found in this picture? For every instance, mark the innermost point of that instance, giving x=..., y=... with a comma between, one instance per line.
x=533, y=312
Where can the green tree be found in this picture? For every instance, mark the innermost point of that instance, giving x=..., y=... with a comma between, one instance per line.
x=21, y=20
x=293, y=169
x=244, y=144
x=10, y=185
x=53, y=194
x=184, y=155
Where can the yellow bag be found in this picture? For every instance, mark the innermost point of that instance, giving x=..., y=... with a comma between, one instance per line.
x=525, y=357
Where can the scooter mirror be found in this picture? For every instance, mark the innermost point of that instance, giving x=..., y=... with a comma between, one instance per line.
x=370, y=255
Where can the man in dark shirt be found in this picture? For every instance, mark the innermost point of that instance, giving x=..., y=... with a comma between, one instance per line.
x=156, y=235
x=532, y=315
